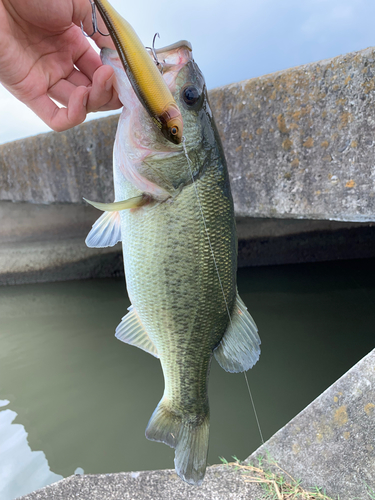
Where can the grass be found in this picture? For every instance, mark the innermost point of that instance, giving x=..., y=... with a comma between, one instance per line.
x=370, y=492
x=276, y=483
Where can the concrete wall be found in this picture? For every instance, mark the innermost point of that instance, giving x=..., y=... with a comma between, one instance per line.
x=60, y=167
x=299, y=144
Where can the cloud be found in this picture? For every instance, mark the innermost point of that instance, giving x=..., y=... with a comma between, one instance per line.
x=18, y=121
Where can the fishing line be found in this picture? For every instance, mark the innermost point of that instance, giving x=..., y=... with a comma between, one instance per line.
x=253, y=405
x=189, y=162
x=205, y=226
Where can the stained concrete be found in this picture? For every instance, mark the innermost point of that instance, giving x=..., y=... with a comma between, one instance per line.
x=330, y=444
x=60, y=167
x=299, y=144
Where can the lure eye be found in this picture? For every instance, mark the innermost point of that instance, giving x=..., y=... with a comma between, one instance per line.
x=191, y=95
x=174, y=130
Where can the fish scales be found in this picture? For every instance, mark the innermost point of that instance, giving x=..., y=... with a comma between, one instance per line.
x=182, y=307
x=180, y=256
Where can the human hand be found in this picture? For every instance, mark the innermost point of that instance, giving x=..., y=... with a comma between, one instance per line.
x=44, y=55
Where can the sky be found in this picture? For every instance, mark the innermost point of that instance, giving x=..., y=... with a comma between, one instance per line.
x=232, y=40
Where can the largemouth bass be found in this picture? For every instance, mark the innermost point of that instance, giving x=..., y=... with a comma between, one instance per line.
x=175, y=219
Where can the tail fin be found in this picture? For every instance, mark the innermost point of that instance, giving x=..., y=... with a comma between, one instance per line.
x=188, y=435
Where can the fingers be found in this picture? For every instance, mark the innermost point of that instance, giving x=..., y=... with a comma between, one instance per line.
x=80, y=100
x=79, y=79
x=88, y=61
x=60, y=119
x=63, y=89
x=102, y=95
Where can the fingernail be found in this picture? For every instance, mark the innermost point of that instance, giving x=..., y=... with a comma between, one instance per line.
x=85, y=98
x=109, y=83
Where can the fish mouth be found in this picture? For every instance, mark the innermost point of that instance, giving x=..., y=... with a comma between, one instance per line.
x=174, y=46
x=144, y=76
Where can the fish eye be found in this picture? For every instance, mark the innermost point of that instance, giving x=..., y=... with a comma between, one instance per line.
x=174, y=130
x=191, y=95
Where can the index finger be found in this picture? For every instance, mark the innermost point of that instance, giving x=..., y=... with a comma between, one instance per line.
x=60, y=119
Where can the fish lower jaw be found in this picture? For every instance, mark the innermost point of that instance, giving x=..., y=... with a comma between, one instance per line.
x=162, y=155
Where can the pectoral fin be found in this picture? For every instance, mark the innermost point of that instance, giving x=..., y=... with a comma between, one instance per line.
x=239, y=348
x=105, y=232
x=136, y=202
x=131, y=331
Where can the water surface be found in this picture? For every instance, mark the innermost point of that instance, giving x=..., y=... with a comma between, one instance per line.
x=85, y=398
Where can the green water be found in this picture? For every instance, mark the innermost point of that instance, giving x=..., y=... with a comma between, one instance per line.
x=85, y=398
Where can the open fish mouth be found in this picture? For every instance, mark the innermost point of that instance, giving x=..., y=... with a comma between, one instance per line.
x=143, y=74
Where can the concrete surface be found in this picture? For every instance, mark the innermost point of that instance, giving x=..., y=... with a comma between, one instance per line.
x=299, y=144
x=60, y=167
x=331, y=443
x=221, y=483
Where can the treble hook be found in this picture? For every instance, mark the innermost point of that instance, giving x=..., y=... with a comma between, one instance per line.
x=157, y=62
x=94, y=23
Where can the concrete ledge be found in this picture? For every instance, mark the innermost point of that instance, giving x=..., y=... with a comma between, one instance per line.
x=40, y=243
x=331, y=443
x=57, y=261
x=220, y=483
x=299, y=145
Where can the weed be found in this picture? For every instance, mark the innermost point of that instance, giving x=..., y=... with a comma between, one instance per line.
x=276, y=483
x=370, y=492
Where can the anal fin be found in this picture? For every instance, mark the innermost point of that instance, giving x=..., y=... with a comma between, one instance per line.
x=239, y=348
x=131, y=331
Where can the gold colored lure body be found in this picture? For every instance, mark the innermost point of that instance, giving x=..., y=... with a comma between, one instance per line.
x=146, y=79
